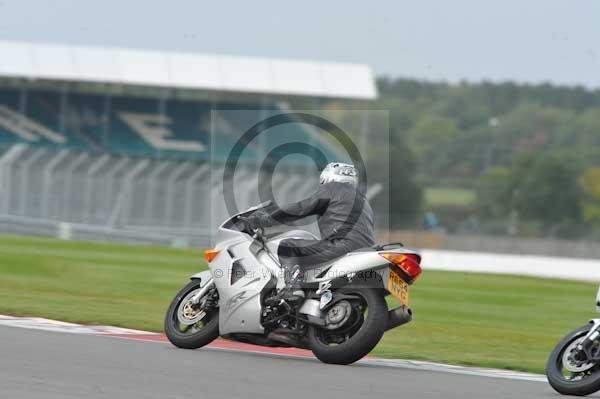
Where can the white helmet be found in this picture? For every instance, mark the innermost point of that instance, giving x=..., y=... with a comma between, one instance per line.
x=339, y=172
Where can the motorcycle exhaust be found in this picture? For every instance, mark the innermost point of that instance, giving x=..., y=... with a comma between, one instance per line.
x=398, y=316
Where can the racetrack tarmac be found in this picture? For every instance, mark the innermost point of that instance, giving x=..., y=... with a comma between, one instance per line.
x=43, y=364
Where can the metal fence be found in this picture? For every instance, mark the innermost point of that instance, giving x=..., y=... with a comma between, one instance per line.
x=99, y=195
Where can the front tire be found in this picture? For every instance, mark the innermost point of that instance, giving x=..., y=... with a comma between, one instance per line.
x=197, y=330
x=578, y=384
x=355, y=343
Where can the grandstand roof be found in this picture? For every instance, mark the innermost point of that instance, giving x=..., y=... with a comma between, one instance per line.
x=186, y=70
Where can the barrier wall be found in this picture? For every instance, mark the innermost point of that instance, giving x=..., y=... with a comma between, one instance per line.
x=526, y=265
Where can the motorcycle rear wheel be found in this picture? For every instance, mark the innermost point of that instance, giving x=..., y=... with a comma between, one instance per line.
x=353, y=342
x=577, y=384
x=190, y=333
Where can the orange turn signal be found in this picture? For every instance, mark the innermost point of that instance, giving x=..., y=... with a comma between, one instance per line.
x=210, y=254
x=409, y=263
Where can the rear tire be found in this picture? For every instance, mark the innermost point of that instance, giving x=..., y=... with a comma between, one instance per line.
x=585, y=386
x=362, y=341
x=198, y=338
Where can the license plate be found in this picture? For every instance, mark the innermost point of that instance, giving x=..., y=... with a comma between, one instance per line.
x=398, y=287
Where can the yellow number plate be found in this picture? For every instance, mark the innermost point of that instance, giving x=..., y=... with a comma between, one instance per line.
x=398, y=287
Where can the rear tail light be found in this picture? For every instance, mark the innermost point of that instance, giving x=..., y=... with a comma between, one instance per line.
x=210, y=254
x=409, y=263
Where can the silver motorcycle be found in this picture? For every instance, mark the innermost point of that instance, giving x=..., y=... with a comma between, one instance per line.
x=341, y=318
x=574, y=365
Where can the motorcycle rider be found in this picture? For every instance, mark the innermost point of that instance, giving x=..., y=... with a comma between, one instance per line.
x=344, y=217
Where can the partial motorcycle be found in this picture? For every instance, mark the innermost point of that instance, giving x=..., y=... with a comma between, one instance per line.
x=342, y=317
x=574, y=365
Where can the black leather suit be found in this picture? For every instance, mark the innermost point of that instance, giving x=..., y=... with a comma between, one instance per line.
x=345, y=221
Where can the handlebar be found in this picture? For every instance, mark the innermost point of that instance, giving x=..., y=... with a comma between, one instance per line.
x=257, y=234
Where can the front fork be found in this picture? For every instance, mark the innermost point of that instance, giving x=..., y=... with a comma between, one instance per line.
x=203, y=290
x=586, y=343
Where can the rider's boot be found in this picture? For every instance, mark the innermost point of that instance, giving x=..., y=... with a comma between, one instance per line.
x=292, y=292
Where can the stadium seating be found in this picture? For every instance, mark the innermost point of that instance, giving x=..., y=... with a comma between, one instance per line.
x=141, y=126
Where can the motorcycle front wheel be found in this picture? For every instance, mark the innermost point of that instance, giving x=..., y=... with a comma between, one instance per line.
x=568, y=374
x=191, y=326
x=362, y=322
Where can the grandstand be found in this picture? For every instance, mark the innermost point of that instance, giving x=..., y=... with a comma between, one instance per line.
x=105, y=143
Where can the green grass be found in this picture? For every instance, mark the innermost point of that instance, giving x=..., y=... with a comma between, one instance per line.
x=438, y=196
x=475, y=319
x=127, y=286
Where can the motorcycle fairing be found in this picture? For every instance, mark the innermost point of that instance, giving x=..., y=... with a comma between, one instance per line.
x=240, y=279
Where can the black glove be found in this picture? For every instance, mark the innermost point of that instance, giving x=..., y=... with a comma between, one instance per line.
x=254, y=222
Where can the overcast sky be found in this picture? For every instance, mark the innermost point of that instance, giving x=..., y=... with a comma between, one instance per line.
x=522, y=40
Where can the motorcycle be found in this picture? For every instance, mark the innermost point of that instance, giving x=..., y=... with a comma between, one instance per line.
x=341, y=318
x=572, y=367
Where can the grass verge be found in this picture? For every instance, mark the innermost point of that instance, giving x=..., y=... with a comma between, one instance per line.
x=441, y=196
x=462, y=318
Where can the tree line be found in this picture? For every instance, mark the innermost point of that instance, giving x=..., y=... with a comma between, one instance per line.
x=531, y=154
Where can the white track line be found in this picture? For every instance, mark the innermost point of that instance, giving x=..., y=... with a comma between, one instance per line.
x=453, y=369
x=37, y=323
